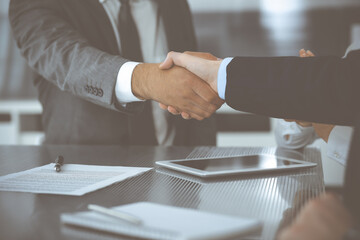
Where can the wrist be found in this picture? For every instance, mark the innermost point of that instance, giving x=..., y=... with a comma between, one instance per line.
x=140, y=80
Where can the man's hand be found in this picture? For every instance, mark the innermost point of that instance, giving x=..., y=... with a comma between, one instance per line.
x=323, y=130
x=176, y=87
x=324, y=218
x=203, y=68
x=202, y=55
x=306, y=53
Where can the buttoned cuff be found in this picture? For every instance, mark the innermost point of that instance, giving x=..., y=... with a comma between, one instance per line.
x=293, y=136
x=221, y=81
x=123, y=90
x=339, y=143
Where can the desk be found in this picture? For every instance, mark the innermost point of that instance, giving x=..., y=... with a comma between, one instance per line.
x=273, y=198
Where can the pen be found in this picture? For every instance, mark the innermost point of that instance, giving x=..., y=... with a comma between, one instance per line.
x=115, y=213
x=58, y=163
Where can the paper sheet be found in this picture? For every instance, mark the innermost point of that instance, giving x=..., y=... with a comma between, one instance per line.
x=73, y=179
x=166, y=222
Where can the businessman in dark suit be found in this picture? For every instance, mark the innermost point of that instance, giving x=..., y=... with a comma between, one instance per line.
x=319, y=89
x=92, y=88
x=309, y=89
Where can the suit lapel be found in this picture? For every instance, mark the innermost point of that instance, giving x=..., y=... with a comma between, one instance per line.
x=91, y=20
x=104, y=25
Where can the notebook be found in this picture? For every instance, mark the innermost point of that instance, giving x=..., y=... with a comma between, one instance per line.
x=165, y=222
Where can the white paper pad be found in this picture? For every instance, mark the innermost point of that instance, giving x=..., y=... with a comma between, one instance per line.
x=165, y=222
x=74, y=179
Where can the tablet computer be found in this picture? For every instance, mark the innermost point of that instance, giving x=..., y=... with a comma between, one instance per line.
x=211, y=167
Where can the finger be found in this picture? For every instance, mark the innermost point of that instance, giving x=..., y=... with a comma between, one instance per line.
x=302, y=53
x=194, y=116
x=197, y=107
x=163, y=106
x=168, y=62
x=207, y=107
x=309, y=53
x=185, y=115
x=195, y=111
x=208, y=94
x=173, y=110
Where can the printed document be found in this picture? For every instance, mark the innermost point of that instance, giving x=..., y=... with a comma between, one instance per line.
x=73, y=179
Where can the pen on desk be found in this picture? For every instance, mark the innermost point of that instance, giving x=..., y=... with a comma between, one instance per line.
x=58, y=163
x=115, y=213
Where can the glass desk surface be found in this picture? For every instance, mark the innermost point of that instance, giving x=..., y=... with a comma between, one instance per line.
x=273, y=198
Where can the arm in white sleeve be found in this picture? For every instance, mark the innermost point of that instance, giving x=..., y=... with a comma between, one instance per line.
x=291, y=135
x=123, y=91
x=339, y=143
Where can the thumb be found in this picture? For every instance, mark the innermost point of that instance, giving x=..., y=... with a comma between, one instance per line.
x=196, y=65
x=189, y=62
x=168, y=62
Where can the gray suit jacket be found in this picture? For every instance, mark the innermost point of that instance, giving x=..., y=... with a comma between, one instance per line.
x=71, y=45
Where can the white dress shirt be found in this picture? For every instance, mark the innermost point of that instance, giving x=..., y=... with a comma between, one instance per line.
x=291, y=135
x=154, y=48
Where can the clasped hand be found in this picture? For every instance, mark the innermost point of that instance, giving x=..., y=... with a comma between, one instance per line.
x=204, y=66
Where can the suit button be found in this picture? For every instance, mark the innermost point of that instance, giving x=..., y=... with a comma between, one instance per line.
x=100, y=92
x=91, y=90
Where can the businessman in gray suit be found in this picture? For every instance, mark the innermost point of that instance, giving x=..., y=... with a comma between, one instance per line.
x=95, y=65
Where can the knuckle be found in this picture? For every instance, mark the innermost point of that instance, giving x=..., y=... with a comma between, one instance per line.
x=200, y=118
x=213, y=108
x=207, y=115
x=170, y=53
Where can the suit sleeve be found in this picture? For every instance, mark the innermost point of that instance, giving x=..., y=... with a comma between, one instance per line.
x=61, y=55
x=318, y=89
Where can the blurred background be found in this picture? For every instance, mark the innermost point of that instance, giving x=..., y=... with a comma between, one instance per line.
x=224, y=28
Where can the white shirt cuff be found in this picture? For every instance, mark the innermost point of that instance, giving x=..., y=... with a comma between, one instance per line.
x=123, y=91
x=293, y=136
x=222, y=77
x=339, y=143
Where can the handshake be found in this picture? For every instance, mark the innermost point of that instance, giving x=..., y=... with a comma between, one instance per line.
x=185, y=83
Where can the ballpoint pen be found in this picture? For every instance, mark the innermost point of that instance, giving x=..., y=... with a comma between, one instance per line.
x=115, y=213
x=58, y=163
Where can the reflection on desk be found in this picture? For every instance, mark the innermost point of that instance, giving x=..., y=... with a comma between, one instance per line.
x=263, y=197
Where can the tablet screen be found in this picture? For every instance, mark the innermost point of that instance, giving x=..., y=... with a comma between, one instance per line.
x=236, y=163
